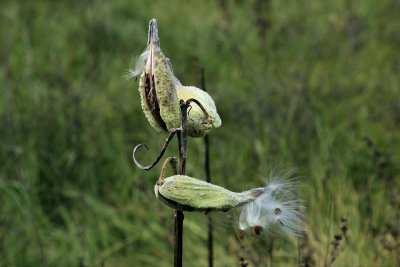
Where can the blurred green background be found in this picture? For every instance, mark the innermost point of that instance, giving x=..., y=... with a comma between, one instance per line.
x=306, y=84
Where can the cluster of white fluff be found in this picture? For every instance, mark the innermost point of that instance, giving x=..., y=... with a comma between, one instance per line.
x=138, y=67
x=276, y=210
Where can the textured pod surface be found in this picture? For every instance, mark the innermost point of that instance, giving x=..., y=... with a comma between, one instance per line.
x=167, y=96
x=191, y=194
x=159, y=98
x=163, y=112
x=161, y=91
x=197, y=124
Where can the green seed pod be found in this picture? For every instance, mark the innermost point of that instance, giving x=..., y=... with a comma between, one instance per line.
x=198, y=125
x=191, y=194
x=159, y=99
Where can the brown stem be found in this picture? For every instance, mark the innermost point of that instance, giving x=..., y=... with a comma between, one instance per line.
x=182, y=142
x=146, y=168
x=210, y=225
x=178, y=218
x=208, y=179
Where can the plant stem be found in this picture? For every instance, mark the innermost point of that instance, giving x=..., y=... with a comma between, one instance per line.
x=183, y=142
x=208, y=179
x=178, y=217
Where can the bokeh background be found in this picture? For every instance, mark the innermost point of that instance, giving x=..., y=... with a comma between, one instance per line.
x=311, y=85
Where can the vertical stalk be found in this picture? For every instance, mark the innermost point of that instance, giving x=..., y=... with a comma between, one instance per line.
x=208, y=179
x=178, y=217
x=210, y=225
x=183, y=142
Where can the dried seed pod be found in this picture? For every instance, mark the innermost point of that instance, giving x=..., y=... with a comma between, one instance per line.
x=160, y=102
x=161, y=91
x=191, y=194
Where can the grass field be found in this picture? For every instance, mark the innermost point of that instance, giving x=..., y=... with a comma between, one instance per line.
x=311, y=85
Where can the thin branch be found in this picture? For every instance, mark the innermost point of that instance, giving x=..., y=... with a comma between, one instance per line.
x=178, y=217
x=208, y=179
x=183, y=143
x=206, y=163
x=146, y=168
x=210, y=238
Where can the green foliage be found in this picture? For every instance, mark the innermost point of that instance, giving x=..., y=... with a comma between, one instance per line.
x=314, y=84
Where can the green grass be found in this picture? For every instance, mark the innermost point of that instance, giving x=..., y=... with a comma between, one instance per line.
x=312, y=84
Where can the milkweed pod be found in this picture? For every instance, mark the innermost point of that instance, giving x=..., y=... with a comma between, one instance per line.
x=190, y=194
x=198, y=125
x=156, y=86
x=274, y=208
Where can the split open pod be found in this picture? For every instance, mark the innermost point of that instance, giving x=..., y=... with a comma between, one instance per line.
x=273, y=208
x=161, y=93
x=159, y=99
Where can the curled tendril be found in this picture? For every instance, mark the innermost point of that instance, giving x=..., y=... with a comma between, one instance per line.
x=146, y=168
x=168, y=140
x=207, y=116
